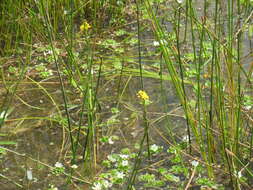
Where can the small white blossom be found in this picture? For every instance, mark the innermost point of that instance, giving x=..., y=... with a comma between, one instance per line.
x=29, y=174
x=110, y=141
x=107, y=184
x=58, y=165
x=180, y=1
x=154, y=148
x=124, y=163
x=49, y=52
x=74, y=166
x=156, y=43
x=238, y=174
x=97, y=186
x=50, y=72
x=120, y=175
x=195, y=163
x=124, y=156
x=186, y=138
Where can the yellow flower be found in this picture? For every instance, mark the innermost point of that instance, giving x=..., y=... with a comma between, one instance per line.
x=85, y=26
x=142, y=95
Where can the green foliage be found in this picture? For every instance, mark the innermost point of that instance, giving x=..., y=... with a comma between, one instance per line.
x=150, y=180
x=88, y=51
x=58, y=169
x=206, y=182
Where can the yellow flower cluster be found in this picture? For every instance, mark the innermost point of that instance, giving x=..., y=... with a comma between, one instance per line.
x=85, y=26
x=142, y=95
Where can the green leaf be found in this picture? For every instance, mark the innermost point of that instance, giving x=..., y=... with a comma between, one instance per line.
x=7, y=143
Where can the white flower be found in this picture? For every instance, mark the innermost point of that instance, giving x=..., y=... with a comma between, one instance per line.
x=49, y=52
x=195, y=163
x=124, y=163
x=180, y=1
x=74, y=166
x=110, y=141
x=238, y=174
x=29, y=174
x=97, y=186
x=186, y=138
x=50, y=72
x=58, y=165
x=154, y=148
x=156, y=43
x=120, y=175
x=124, y=156
x=106, y=184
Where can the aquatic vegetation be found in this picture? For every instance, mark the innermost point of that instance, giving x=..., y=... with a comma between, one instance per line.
x=126, y=94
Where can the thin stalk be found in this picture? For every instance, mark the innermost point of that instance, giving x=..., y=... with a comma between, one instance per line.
x=51, y=39
x=139, y=42
x=119, y=93
x=164, y=98
x=231, y=85
x=90, y=144
x=79, y=126
x=182, y=76
x=218, y=87
x=239, y=99
x=175, y=78
x=214, y=54
x=186, y=19
x=137, y=161
x=141, y=75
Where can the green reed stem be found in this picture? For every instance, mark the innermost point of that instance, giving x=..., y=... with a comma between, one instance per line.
x=182, y=76
x=137, y=162
x=141, y=75
x=51, y=39
x=139, y=42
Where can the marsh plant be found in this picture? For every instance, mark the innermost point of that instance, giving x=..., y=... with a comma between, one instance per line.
x=121, y=94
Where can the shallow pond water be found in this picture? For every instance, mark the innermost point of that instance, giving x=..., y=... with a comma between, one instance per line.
x=35, y=122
